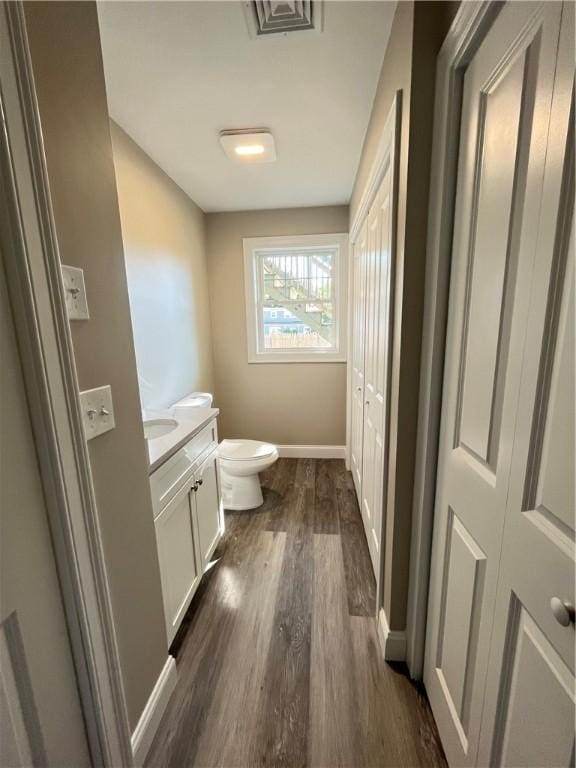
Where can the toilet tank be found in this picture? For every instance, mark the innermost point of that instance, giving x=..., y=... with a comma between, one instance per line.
x=193, y=400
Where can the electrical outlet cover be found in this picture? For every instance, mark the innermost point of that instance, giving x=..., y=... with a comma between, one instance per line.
x=75, y=291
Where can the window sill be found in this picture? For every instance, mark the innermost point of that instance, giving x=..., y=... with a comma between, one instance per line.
x=295, y=358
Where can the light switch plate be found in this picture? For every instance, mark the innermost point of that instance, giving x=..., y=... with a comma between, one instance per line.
x=75, y=291
x=97, y=411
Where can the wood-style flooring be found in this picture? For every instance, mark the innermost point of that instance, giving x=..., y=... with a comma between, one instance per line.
x=278, y=658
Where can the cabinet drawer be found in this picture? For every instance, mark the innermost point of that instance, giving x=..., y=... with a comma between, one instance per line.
x=167, y=479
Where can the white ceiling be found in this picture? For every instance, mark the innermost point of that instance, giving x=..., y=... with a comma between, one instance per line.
x=177, y=73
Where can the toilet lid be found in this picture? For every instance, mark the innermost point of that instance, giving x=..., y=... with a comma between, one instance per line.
x=243, y=450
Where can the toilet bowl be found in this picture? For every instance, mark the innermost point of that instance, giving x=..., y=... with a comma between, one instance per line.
x=240, y=462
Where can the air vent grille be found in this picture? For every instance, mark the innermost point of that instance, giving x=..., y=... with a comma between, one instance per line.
x=272, y=17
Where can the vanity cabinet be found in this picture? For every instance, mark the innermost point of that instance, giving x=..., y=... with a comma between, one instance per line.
x=188, y=519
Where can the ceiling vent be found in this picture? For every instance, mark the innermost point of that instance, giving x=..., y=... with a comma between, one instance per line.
x=274, y=17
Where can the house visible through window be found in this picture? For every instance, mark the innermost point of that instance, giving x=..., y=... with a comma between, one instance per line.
x=295, y=298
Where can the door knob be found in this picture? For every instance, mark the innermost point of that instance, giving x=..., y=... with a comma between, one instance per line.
x=563, y=612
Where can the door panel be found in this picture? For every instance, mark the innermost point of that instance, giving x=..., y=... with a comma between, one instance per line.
x=486, y=333
x=529, y=646
x=536, y=727
x=506, y=100
x=376, y=372
x=358, y=338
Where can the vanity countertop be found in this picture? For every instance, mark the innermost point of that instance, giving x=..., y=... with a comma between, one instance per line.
x=161, y=448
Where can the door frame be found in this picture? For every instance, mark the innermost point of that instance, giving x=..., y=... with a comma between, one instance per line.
x=466, y=33
x=32, y=264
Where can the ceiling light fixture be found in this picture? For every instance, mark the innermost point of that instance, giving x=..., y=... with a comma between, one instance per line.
x=252, y=145
x=249, y=149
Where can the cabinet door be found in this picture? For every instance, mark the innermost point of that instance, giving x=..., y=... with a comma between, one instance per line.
x=180, y=570
x=210, y=520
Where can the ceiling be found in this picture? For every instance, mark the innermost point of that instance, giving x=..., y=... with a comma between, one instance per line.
x=177, y=73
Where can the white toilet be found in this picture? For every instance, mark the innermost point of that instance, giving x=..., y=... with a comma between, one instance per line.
x=240, y=463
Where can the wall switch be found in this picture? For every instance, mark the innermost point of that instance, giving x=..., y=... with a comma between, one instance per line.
x=75, y=291
x=97, y=411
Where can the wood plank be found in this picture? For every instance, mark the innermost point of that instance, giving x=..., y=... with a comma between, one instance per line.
x=231, y=738
x=278, y=494
x=333, y=737
x=284, y=704
x=325, y=510
x=358, y=571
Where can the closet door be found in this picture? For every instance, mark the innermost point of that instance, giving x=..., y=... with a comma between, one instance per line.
x=376, y=371
x=529, y=711
x=358, y=337
x=506, y=104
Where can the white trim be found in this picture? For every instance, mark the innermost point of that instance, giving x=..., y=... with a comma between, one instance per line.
x=155, y=706
x=392, y=642
x=467, y=30
x=30, y=251
x=312, y=451
x=254, y=343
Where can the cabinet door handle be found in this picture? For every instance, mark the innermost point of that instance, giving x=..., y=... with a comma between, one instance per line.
x=195, y=487
x=199, y=482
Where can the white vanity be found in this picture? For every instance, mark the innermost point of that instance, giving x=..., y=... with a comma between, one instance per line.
x=188, y=514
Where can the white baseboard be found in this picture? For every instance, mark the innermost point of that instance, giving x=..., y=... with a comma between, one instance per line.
x=392, y=641
x=312, y=451
x=153, y=711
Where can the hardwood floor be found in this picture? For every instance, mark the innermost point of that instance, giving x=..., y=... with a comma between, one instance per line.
x=278, y=658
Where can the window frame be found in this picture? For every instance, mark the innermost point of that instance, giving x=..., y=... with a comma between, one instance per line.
x=252, y=287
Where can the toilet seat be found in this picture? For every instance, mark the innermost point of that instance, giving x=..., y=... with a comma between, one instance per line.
x=245, y=450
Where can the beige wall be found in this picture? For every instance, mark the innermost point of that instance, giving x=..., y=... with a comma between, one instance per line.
x=289, y=404
x=65, y=48
x=164, y=247
x=409, y=65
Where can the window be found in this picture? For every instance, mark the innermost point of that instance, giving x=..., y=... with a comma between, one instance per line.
x=295, y=298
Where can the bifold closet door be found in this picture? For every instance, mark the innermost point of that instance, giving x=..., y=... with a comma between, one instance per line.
x=529, y=710
x=379, y=237
x=358, y=337
x=496, y=292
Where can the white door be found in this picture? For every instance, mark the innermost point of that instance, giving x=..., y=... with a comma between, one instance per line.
x=506, y=104
x=208, y=509
x=529, y=709
x=358, y=336
x=379, y=237
x=41, y=720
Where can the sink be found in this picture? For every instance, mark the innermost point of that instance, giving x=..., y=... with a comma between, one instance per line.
x=154, y=428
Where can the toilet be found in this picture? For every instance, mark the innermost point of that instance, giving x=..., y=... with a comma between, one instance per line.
x=240, y=462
